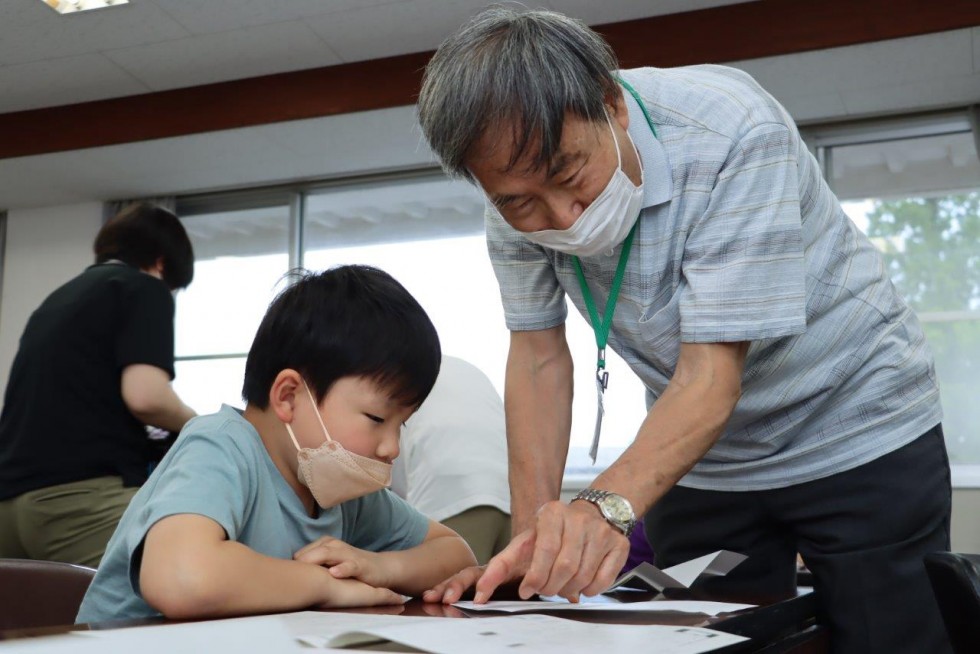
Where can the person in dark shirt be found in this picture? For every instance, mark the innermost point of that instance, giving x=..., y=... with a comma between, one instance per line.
x=93, y=369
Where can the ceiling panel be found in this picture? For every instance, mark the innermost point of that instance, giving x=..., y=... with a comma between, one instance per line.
x=921, y=94
x=400, y=23
x=30, y=31
x=907, y=74
x=63, y=81
x=594, y=13
x=203, y=59
x=222, y=15
x=947, y=54
x=877, y=64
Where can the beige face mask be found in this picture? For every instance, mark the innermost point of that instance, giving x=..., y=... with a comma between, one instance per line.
x=332, y=473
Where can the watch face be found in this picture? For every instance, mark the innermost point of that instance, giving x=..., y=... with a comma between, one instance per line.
x=617, y=508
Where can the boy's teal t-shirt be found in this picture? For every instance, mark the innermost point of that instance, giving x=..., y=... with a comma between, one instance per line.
x=220, y=469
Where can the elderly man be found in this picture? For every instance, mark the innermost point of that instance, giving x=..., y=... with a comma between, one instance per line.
x=793, y=404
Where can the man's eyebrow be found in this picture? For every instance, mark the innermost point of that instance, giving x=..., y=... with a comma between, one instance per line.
x=563, y=161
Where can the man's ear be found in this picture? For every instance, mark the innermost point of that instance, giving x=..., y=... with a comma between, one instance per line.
x=618, y=111
x=284, y=393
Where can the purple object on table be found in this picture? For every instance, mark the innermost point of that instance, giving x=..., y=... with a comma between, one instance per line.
x=640, y=549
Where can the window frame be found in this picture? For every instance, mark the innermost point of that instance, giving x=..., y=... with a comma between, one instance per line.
x=821, y=139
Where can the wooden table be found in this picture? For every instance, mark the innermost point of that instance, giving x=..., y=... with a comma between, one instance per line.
x=776, y=626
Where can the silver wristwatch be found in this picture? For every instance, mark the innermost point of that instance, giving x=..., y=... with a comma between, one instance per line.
x=616, y=509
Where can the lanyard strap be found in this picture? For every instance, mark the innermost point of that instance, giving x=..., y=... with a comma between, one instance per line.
x=643, y=108
x=601, y=327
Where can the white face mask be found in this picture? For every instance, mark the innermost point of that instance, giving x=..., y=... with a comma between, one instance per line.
x=605, y=223
x=332, y=473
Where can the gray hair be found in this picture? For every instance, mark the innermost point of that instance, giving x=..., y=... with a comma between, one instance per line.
x=516, y=69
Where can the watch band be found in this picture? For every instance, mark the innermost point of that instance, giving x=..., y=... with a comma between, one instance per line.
x=596, y=496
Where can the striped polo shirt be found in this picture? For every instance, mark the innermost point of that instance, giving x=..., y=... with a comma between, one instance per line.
x=740, y=239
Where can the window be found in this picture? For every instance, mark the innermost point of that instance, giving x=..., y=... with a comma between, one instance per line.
x=914, y=187
x=241, y=255
x=912, y=184
x=425, y=230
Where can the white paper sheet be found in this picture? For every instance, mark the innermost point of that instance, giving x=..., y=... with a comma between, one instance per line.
x=540, y=634
x=318, y=629
x=682, y=606
x=256, y=635
x=684, y=574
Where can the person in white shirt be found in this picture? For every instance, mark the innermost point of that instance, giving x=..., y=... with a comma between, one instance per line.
x=453, y=461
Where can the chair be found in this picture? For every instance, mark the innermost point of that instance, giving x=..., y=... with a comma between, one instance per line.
x=40, y=593
x=955, y=581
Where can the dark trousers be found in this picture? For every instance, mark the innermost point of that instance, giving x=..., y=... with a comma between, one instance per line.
x=862, y=533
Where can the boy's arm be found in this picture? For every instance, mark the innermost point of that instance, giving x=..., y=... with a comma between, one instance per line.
x=443, y=553
x=190, y=569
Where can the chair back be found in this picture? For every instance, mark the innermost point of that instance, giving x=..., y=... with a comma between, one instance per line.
x=40, y=593
x=956, y=583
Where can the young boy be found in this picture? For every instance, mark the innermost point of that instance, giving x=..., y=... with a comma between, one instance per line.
x=284, y=507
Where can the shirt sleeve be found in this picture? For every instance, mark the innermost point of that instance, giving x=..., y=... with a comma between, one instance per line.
x=743, y=266
x=201, y=477
x=529, y=289
x=146, y=332
x=382, y=521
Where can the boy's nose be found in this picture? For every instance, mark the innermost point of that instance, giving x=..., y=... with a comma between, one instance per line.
x=388, y=449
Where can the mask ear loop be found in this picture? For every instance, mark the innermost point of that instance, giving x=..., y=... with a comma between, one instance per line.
x=292, y=435
x=316, y=410
x=619, y=154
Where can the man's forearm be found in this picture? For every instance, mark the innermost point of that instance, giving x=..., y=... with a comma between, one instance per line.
x=680, y=428
x=538, y=398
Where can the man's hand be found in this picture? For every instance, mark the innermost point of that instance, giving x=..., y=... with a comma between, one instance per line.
x=344, y=561
x=570, y=550
x=575, y=552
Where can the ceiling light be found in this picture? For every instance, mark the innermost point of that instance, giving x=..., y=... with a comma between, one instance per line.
x=72, y=6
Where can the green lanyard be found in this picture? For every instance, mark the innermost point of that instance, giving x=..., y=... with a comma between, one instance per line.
x=601, y=327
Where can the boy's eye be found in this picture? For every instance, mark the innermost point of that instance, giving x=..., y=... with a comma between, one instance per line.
x=376, y=419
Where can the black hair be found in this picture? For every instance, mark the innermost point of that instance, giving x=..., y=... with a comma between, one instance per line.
x=140, y=235
x=346, y=321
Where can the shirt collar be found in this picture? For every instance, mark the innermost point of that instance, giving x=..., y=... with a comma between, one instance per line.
x=657, y=183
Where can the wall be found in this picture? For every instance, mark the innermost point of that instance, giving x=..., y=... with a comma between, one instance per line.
x=45, y=248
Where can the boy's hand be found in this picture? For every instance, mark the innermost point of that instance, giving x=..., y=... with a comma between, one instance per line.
x=450, y=590
x=509, y=565
x=344, y=561
x=346, y=593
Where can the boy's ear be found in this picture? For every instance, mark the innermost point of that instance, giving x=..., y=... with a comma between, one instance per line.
x=283, y=393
